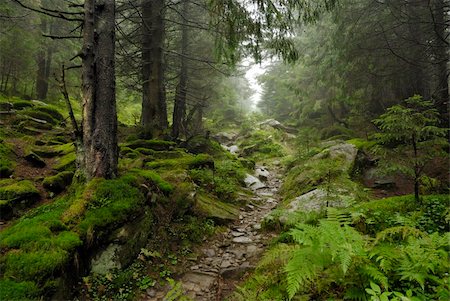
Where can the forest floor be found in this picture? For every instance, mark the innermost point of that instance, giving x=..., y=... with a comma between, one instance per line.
x=228, y=257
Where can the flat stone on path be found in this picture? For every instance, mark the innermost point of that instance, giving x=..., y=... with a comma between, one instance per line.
x=198, y=281
x=242, y=240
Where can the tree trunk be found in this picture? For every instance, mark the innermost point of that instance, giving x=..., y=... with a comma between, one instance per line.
x=154, y=109
x=99, y=124
x=42, y=78
x=179, y=110
x=441, y=51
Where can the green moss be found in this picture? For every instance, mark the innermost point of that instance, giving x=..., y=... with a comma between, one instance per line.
x=187, y=162
x=304, y=177
x=213, y=208
x=158, y=145
x=66, y=162
x=429, y=216
x=34, y=265
x=26, y=235
x=145, y=151
x=50, y=151
x=337, y=131
x=113, y=201
x=202, y=145
x=52, y=111
x=124, y=150
x=224, y=182
x=173, y=154
x=261, y=145
x=155, y=178
x=362, y=144
x=59, y=182
x=6, y=163
x=19, y=104
x=18, y=291
x=32, y=112
x=18, y=191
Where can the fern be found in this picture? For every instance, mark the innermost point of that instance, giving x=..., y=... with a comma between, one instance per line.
x=403, y=232
x=276, y=256
x=324, y=245
x=374, y=275
x=423, y=259
x=386, y=256
x=336, y=215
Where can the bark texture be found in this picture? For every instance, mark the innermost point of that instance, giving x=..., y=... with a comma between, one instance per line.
x=100, y=149
x=179, y=111
x=154, y=109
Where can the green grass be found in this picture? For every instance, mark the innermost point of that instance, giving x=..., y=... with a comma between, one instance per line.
x=430, y=216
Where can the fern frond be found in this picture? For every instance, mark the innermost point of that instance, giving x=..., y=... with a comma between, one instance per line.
x=386, y=256
x=277, y=256
x=355, y=293
x=402, y=232
x=301, y=270
x=373, y=274
x=336, y=215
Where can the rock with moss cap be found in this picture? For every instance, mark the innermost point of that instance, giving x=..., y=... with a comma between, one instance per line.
x=58, y=182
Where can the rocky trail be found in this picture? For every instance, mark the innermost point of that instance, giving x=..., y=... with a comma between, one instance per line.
x=227, y=257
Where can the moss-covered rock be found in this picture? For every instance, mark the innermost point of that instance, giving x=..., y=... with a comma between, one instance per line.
x=18, y=191
x=215, y=209
x=66, y=162
x=30, y=123
x=52, y=111
x=50, y=151
x=32, y=112
x=6, y=163
x=15, y=196
x=157, y=145
x=58, y=182
x=186, y=162
x=111, y=201
x=203, y=145
x=23, y=290
x=19, y=104
x=35, y=160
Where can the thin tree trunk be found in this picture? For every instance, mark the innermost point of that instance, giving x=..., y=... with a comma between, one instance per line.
x=99, y=124
x=41, y=82
x=179, y=110
x=154, y=108
x=416, y=170
x=441, y=49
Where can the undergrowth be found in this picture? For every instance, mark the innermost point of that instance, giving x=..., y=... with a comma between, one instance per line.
x=366, y=252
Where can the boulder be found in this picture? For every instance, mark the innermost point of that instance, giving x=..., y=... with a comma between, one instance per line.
x=316, y=200
x=35, y=160
x=278, y=125
x=253, y=182
x=262, y=173
x=225, y=138
x=342, y=150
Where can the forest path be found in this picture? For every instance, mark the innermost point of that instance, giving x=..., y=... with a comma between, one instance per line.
x=226, y=258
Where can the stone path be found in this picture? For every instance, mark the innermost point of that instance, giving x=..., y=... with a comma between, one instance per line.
x=226, y=258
